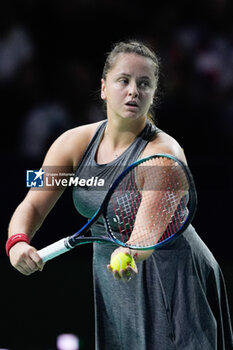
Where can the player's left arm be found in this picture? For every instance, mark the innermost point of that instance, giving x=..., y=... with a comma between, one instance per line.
x=162, y=144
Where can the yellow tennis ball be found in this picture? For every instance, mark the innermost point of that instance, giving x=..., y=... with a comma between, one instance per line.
x=121, y=260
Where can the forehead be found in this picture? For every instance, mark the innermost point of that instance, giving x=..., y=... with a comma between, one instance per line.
x=133, y=64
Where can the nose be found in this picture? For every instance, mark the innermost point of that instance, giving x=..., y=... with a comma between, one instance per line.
x=133, y=89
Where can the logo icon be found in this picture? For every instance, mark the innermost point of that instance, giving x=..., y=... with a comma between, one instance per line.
x=35, y=178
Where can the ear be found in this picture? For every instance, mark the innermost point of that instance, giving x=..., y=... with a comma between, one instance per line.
x=103, y=90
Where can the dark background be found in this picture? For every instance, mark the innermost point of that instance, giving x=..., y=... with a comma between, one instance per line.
x=51, y=59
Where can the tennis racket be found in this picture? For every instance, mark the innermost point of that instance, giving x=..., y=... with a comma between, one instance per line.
x=151, y=202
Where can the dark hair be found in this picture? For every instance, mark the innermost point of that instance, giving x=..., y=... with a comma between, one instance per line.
x=133, y=47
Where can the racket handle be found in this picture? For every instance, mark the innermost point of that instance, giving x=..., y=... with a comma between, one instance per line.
x=54, y=249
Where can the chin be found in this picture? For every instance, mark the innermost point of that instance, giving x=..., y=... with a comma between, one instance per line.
x=134, y=116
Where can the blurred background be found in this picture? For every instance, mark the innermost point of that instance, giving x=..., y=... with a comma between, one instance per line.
x=51, y=60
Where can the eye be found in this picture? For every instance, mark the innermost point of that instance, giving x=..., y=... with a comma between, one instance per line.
x=123, y=81
x=143, y=84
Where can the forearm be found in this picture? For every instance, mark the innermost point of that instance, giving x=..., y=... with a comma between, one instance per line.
x=26, y=219
x=140, y=255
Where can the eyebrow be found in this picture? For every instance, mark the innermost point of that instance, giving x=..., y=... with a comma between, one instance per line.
x=128, y=76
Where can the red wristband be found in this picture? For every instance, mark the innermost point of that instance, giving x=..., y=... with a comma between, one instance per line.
x=19, y=237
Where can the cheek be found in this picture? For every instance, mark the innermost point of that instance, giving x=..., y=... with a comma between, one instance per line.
x=116, y=92
x=148, y=98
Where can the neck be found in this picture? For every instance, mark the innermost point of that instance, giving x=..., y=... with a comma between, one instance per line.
x=122, y=134
x=117, y=138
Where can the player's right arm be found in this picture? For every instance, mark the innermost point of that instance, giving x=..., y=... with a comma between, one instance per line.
x=28, y=217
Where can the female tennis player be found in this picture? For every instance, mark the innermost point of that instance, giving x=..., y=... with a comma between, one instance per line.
x=177, y=298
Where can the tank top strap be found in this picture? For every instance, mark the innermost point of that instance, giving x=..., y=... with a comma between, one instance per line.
x=135, y=149
x=93, y=145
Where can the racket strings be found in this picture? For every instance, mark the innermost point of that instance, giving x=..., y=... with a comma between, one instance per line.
x=125, y=203
x=150, y=203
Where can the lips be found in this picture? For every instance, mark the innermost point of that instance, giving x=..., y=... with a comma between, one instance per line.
x=132, y=104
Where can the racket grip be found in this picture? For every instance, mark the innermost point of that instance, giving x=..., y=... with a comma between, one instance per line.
x=54, y=249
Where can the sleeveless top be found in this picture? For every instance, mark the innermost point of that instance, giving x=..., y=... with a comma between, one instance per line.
x=88, y=168
x=178, y=299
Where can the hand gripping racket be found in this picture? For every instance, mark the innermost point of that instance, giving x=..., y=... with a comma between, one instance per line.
x=151, y=202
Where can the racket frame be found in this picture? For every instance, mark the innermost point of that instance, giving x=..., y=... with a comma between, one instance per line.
x=80, y=238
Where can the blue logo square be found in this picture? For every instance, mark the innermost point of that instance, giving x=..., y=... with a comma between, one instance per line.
x=35, y=178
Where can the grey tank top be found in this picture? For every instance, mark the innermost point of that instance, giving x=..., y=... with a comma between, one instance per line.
x=177, y=300
x=87, y=199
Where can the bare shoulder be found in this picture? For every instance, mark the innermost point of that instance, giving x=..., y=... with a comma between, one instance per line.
x=164, y=143
x=69, y=147
x=80, y=135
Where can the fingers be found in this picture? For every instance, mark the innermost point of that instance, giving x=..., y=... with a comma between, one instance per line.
x=36, y=259
x=128, y=273
x=125, y=275
x=25, y=258
x=32, y=262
